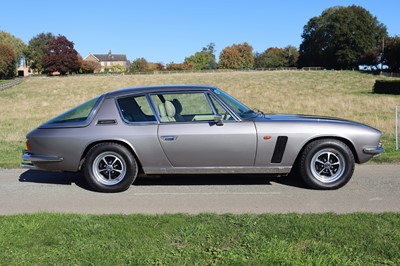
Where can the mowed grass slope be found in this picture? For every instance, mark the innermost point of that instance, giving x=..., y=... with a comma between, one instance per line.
x=345, y=94
x=206, y=239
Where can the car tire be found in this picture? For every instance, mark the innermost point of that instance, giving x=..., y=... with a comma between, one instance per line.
x=326, y=164
x=110, y=167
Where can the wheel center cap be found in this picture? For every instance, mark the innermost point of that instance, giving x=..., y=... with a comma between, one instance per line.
x=109, y=168
x=327, y=165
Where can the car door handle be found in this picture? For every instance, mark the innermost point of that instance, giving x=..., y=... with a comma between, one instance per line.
x=169, y=138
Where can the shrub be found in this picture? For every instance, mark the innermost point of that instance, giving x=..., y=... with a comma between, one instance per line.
x=387, y=87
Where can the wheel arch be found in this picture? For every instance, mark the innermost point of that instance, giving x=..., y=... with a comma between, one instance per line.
x=344, y=140
x=120, y=142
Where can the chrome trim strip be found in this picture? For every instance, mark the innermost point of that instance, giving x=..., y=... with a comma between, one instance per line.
x=29, y=166
x=41, y=158
x=219, y=170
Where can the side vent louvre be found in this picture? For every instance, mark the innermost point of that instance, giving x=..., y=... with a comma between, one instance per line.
x=107, y=122
x=279, y=149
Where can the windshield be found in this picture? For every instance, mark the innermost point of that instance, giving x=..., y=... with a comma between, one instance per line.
x=239, y=108
x=78, y=114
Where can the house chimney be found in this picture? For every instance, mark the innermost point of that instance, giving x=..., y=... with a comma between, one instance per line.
x=109, y=53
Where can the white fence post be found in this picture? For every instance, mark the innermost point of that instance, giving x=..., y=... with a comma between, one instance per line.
x=397, y=128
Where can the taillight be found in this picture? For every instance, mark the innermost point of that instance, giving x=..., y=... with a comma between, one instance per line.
x=28, y=145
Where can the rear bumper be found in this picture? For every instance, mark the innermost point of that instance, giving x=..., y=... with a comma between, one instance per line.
x=30, y=159
x=374, y=151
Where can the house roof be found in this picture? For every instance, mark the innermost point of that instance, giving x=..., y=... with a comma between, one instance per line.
x=107, y=57
x=111, y=57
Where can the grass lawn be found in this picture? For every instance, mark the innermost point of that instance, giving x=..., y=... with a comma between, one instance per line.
x=345, y=94
x=206, y=239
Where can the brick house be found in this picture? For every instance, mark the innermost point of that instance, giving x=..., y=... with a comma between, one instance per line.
x=107, y=61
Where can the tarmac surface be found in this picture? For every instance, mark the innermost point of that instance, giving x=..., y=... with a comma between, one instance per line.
x=373, y=188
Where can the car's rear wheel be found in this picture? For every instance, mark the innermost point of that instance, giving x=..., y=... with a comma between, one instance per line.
x=326, y=164
x=110, y=167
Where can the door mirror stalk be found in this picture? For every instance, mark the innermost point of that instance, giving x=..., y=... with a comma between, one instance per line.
x=218, y=120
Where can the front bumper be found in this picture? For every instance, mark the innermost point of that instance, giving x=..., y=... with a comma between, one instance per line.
x=30, y=159
x=375, y=151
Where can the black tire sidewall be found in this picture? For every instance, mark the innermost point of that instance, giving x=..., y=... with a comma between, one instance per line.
x=335, y=146
x=126, y=156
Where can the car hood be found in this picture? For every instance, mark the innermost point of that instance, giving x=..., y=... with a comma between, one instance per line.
x=305, y=118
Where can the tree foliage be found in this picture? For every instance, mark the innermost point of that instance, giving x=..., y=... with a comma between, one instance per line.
x=37, y=49
x=61, y=56
x=237, y=56
x=89, y=66
x=340, y=37
x=392, y=53
x=8, y=61
x=372, y=57
x=277, y=57
x=16, y=44
x=117, y=68
x=142, y=65
x=139, y=65
x=178, y=66
x=205, y=59
x=156, y=66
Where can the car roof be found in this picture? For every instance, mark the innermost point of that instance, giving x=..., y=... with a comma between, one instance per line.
x=159, y=88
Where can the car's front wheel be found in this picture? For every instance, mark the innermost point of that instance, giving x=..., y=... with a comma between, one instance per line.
x=326, y=164
x=110, y=167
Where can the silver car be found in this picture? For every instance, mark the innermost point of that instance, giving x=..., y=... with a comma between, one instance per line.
x=191, y=129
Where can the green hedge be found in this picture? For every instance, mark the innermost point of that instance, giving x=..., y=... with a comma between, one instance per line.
x=387, y=87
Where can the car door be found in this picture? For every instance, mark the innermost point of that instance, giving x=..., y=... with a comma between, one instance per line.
x=190, y=137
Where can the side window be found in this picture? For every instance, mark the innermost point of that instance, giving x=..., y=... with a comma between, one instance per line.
x=183, y=107
x=220, y=110
x=136, y=109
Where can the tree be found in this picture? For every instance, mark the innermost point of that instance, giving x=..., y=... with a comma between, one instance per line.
x=178, y=66
x=372, y=57
x=139, y=65
x=292, y=55
x=8, y=61
x=277, y=57
x=88, y=66
x=340, y=37
x=117, y=68
x=142, y=65
x=237, y=56
x=37, y=49
x=61, y=56
x=156, y=66
x=392, y=52
x=16, y=44
x=272, y=57
x=205, y=59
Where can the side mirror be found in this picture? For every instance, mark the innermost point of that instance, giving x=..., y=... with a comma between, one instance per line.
x=218, y=120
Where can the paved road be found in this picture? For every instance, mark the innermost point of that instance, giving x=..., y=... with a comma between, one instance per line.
x=373, y=188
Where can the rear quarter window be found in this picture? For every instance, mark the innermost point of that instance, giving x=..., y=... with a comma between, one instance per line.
x=78, y=115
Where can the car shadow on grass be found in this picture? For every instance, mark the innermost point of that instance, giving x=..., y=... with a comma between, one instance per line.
x=67, y=178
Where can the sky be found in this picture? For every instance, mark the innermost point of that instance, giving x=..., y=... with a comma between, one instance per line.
x=170, y=30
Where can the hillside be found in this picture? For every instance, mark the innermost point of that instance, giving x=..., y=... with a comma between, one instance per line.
x=345, y=94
